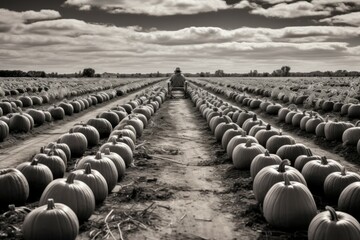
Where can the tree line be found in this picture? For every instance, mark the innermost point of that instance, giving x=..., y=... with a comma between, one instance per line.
x=284, y=71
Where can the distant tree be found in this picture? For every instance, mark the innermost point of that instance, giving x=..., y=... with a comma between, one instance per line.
x=219, y=73
x=88, y=72
x=285, y=70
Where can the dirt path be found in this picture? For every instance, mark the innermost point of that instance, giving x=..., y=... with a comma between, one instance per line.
x=20, y=151
x=179, y=143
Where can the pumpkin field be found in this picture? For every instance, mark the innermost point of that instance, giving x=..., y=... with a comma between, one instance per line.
x=235, y=158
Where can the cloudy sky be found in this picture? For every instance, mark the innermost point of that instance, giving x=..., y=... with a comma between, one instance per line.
x=198, y=35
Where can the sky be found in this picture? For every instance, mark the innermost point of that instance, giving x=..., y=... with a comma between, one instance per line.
x=130, y=36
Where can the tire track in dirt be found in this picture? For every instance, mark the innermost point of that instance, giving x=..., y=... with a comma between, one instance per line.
x=179, y=141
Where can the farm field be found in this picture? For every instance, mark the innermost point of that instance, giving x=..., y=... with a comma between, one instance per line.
x=215, y=165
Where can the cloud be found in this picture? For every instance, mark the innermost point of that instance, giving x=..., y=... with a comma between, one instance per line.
x=349, y=18
x=7, y=16
x=70, y=45
x=153, y=7
x=292, y=10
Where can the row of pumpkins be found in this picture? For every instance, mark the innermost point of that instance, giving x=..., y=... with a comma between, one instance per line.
x=308, y=121
x=350, y=110
x=64, y=202
x=25, y=121
x=284, y=173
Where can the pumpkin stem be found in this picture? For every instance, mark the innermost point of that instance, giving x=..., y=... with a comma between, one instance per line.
x=12, y=207
x=107, y=151
x=70, y=179
x=50, y=204
x=283, y=164
x=248, y=143
x=268, y=127
x=42, y=149
x=87, y=168
x=336, y=120
x=254, y=117
x=324, y=160
x=309, y=152
x=333, y=214
x=71, y=130
x=114, y=141
x=34, y=162
x=286, y=180
x=280, y=132
x=243, y=134
x=267, y=154
x=343, y=171
x=98, y=155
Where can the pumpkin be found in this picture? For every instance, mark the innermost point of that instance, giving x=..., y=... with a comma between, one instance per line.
x=316, y=171
x=304, y=120
x=102, y=164
x=120, y=148
x=273, y=109
x=111, y=116
x=64, y=147
x=57, y=113
x=56, y=152
x=4, y=130
x=229, y=134
x=55, y=163
x=263, y=160
x=92, y=135
x=277, y=141
x=249, y=123
x=37, y=175
x=26, y=101
x=95, y=180
x=121, y=114
x=143, y=110
x=133, y=121
x=14, y=187
x=351, y=135
x=290, y=115
x=257, y=128
x=291, y=152
x=263, y=135
x=6, y=107
x=222, y=128
x=330, y=224
x=118, y=161
x=37, y=115
x=102, y=125
x=279, y=213
x=76, y=106
x=320, y=128
x=349, y=200
x=301, y=160
x=336, y=182
x=354, y=111
x=270, y=175
x=243, y=116
x=255, y=103
x=73, y=193
x=334, y=130
x=124, y=132
x=264, y=105
x=19, y=123
x=296, y=119
x=243, y=138
x=68, y=108
x=76, y=141
x=244, y=153
x=311, y=124
x=211, y=113
x=54, y=220
x=215, y=121
x=123, y=139
x=283, y=112
x=337, y=106
x=48, y=117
